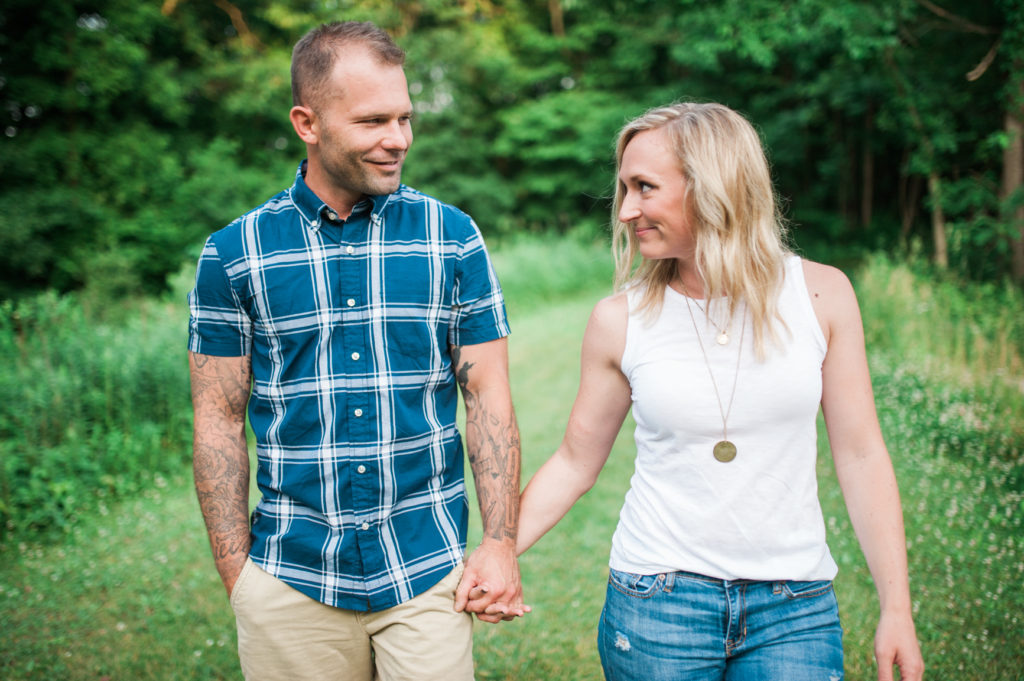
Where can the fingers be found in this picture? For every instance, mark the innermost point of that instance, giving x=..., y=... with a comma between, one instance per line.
x=464, y=593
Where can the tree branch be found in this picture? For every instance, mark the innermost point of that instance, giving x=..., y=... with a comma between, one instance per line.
x=979, y=70
x=958, y=21
x=238, y=21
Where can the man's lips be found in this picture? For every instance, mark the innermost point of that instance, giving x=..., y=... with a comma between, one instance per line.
x=387, y=164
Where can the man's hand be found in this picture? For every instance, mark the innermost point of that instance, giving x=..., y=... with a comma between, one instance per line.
x=490, y=586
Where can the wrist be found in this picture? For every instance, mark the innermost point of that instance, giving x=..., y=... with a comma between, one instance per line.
x=504, y=543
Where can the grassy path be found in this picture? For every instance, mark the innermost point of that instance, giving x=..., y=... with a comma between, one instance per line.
x=132, y=595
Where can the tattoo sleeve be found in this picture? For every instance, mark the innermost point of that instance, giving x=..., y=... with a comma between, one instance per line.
x=220, y=457
x=492, y=444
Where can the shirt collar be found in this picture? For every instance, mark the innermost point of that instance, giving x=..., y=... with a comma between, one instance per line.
x=316, y=212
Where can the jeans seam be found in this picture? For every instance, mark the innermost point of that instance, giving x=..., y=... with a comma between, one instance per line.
x=789, y=593
x=633, y=593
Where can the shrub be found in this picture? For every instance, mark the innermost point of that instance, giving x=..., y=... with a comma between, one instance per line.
x=87, y=409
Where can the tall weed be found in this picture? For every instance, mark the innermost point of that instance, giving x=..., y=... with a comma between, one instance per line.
x=535, y=269
x=87, y=409
x=943, y=324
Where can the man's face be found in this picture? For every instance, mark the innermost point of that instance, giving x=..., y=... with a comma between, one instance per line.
x=364, y=120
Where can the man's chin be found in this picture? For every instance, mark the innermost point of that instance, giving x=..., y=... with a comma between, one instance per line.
x=387, y=185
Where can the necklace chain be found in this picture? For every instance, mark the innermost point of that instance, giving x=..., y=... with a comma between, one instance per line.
x=723, y=333
x=723, y=411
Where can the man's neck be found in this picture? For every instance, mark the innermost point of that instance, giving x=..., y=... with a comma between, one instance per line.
x=339, y=200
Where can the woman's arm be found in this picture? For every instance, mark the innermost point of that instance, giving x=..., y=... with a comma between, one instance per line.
x=864, y=468
x=597, y=415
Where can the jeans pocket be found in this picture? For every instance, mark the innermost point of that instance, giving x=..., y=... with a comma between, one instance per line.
x=806, y=589
x=632, y=584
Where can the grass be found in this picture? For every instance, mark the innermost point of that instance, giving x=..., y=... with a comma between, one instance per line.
x=130, y=591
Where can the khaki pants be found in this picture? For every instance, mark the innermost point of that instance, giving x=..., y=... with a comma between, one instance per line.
x=285, y=635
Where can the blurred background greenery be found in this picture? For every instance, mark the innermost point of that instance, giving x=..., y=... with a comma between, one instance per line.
x=133, y=128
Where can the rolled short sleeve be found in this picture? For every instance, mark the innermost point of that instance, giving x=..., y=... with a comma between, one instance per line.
x=478, y=307
x=218, y=324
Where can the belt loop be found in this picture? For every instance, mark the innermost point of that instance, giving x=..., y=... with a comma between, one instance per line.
x=670, y=580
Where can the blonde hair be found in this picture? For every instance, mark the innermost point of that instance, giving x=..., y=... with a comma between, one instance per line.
x=737, y=226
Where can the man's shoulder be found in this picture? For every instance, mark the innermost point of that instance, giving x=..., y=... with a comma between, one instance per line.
x=411, y=198
x=278, y=207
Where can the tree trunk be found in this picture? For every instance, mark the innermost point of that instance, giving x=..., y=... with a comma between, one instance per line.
x=909, y=192
x=557, y=18
x=867, y=171
x=941, y=252
x=1013, y=179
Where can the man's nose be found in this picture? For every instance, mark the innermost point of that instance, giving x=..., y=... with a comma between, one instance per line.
x=397, y=137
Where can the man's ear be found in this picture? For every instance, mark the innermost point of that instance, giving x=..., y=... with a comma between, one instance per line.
x=306, y=124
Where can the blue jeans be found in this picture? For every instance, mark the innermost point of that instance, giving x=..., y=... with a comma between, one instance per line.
x=688, y=627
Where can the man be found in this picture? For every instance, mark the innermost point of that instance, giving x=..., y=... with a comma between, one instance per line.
x=343, y=312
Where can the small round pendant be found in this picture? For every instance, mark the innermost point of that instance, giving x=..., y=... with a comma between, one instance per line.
x=725, y=451
x=722, y=338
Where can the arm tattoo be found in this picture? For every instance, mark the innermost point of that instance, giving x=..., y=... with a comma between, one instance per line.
x=492, y=446
x=462, y=374
x=220, y=392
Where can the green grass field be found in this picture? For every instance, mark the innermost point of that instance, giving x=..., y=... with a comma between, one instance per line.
x=130, y=592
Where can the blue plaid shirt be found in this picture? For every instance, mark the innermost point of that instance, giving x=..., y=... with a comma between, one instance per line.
x=353, y=403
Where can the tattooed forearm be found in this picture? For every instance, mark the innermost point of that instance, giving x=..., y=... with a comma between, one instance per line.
x=220, y=464
x=492, y=446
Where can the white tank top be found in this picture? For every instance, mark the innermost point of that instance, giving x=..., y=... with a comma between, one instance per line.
x=758, y=516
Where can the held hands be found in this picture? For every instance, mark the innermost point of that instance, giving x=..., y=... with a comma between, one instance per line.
x=490, y=586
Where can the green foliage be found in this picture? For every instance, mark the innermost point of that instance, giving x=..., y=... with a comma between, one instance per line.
x=538, y=269
x=974, y=330
x=133, y=129
x=88, y=411
x=116, y=113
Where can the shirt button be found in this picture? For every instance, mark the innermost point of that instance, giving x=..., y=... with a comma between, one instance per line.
x=365, y=526
x=332, y=215
x=350, y=250
x=358, y=412
x=355, y=355
x=351, y=302
x=361, y=469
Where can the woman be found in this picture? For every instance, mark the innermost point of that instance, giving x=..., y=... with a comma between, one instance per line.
x=724, y=344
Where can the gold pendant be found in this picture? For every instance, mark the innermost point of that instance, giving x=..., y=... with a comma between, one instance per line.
x=722, y=338
x=725, y=451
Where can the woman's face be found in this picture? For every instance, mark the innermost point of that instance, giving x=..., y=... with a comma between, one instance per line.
x=654, y=197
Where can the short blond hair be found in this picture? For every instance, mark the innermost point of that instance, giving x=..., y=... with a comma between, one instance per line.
x=314, y=56
x=738, y=228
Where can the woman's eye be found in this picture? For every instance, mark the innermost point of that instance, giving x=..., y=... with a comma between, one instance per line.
x=644, y=187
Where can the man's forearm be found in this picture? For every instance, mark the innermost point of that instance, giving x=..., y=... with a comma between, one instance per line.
x=221, y=470
x=492, y=442
x=220, y=458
